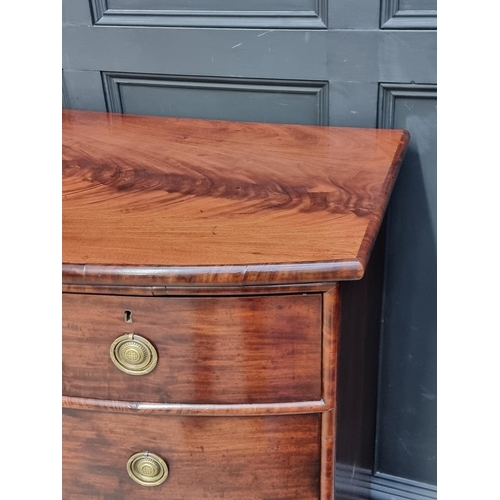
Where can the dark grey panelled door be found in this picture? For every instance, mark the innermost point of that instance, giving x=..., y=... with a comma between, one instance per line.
x=362, y=63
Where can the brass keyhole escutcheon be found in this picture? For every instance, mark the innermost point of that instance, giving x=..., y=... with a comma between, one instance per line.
x=147, y=469
x=133, y=354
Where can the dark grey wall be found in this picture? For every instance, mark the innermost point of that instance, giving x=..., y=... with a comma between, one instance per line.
x=407, y=403
x=360, y=63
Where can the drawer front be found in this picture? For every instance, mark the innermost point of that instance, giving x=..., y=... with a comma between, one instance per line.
x=255, y=458
x=224, y=350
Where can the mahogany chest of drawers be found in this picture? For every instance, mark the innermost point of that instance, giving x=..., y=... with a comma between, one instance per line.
x=202, y=268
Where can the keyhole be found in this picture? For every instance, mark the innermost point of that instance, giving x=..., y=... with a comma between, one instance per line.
x=127, y=316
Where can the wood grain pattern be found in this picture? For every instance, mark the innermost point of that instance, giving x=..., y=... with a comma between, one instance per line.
x=327, y=454
x=256, y=458
x=225, y=350
x=234, y=410
x=196, y=276
x=214, y=291
x=330, y=339
x=151, y=200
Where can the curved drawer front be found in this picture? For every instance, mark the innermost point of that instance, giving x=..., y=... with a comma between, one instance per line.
x=224, y=350
x=260, y=458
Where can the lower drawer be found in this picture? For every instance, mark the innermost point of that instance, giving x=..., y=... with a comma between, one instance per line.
x=244, y=458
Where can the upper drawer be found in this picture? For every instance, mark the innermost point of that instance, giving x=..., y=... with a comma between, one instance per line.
x=224, y=350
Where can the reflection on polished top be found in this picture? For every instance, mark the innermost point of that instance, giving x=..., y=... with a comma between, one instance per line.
x=200, y=201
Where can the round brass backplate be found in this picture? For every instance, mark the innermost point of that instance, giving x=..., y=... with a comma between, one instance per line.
x=133, y=354
x=147, y=469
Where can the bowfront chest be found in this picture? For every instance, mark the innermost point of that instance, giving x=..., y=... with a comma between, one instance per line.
x=203, y=264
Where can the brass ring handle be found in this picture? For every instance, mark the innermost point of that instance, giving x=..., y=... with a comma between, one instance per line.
x=133, y=354
x=147, y=469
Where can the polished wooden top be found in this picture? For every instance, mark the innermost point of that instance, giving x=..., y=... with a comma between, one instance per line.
x=150, y=200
